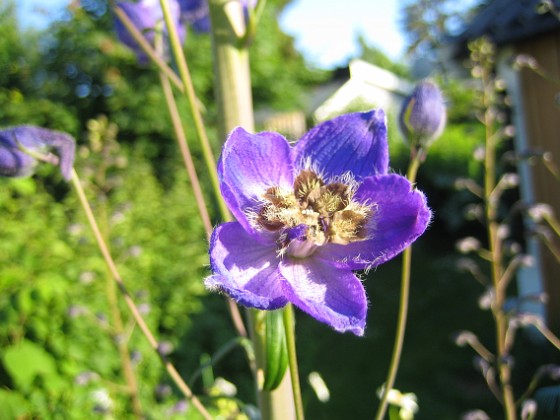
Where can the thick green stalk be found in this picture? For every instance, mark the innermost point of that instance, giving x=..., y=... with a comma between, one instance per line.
x=235, y=108
x=403, y=306
x=231, y=67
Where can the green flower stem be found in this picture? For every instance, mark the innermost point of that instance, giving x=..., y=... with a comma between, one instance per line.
x=187, y=158
x=199, y=196
x=117, y=323
x=187, y=88
x=186, y=153
x=553, y=223
x=147, y=48
x=495, y=248
x=289, y=326
x=128, y=371
x=217, y=357
x=171, y=370
x=403, y=304
x=548, y=334
x=235, y=108
x=193, y=101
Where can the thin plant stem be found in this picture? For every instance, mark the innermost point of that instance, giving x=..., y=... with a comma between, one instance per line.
x=171, y=370
x=219, y=355
x=186, y=153
x=117, y=329
x=171, y=76
x=185, y=87
x=132, y=384
x=197, y=190
x=551, y=166
x=403, y=306
x=553, y=223
x=117, y=332
x=147, y=48
x=289, y=327
x=195, y=110
x=496, y=262
x=549, y=335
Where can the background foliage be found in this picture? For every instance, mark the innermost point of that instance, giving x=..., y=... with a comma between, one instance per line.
x=59, y=357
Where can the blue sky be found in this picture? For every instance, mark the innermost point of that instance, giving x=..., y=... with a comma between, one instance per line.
x=325, y=30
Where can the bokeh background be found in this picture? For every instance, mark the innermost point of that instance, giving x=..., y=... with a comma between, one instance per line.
x=60, y=343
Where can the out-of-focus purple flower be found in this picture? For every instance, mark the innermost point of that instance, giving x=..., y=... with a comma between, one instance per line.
x=15, y=141
x=179, y=408
x=146, y=15
x=196, y=13
x=85, y=378
x=423, y=115
x=308, y=215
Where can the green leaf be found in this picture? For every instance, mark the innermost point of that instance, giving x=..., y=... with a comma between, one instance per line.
x=25, y=361
x=14, y=405
x=276, y=350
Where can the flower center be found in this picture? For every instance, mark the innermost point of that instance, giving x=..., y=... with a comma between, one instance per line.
x=313, y=214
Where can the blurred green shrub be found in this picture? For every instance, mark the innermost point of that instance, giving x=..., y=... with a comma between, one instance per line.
x=56, y=324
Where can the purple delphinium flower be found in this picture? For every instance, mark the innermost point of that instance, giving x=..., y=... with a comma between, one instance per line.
x=15, y=162
x=422, y=117
x=196, y=13
x=145, y=15
x=308, y=215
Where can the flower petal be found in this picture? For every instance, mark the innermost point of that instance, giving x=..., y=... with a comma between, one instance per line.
x=354, y=143
x=331, y=295
x=197, y=14
x=401, y=216
x=244, y=269
x=145, y=15
x=14, y=162
x=17, y=163
x=249, y=165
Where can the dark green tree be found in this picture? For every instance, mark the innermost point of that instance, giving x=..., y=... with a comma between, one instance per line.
x=372, y=54
x=426, y=23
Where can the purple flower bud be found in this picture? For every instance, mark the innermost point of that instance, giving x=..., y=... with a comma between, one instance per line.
x=17, y=144
x=145, y=15
x=422, y=117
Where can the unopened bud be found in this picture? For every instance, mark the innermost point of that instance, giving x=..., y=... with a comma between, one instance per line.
x=423, y=115
x=468, y=244
x=528, y=409
x=540, y=211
